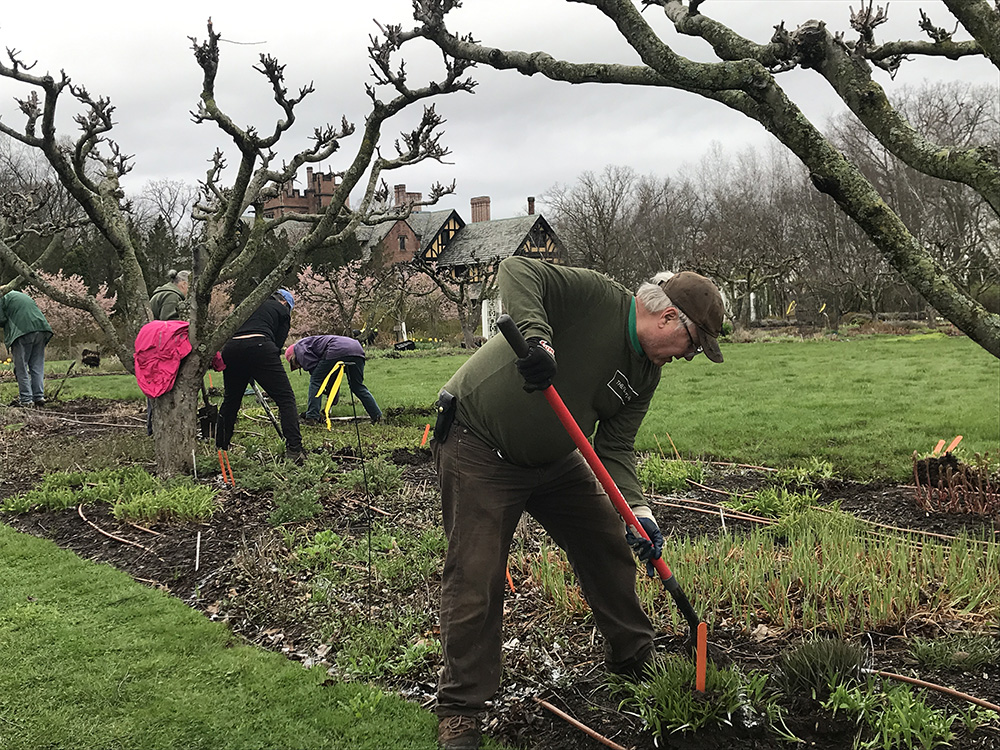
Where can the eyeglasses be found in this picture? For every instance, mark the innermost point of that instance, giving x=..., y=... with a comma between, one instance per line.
x=694, y=347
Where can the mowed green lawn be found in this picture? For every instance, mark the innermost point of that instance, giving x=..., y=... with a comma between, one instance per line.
x=864, y=404
x=90, y=660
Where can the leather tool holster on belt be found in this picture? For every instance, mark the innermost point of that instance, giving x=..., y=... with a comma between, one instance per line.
x=447, y=405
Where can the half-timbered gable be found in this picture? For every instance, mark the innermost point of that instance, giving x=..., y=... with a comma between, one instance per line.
x=478, y=247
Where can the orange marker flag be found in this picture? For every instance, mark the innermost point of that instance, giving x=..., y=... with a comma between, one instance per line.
x=954, y=443
x=427, y=431
x=701, y=658
x=938, y=447
x=510, y=581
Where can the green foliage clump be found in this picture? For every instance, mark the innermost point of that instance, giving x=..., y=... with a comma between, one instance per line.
x=180, y=502
x=132, y=492
x=378, y=477
x=817, y=667
x=321, y=552
x=775, y=502
x=368, y=649
x=895, y=718
x=667, y=703
x=399, y=560
x=957, y=652
x=659, y=474
x=813, y=472
x=292, y=504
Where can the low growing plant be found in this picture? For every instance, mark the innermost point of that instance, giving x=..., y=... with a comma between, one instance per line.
x=659, y=474
x=178, y=503
x=775, y=502
x=963, y=653
x=377, y=477
x=813, y=472
x=667, y=701
x=895, y=718
x=132, y=492
x=367, y=649
x=817, y=667
x=293, y=505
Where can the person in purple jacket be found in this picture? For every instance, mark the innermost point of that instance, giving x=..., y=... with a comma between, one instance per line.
x=317, y=355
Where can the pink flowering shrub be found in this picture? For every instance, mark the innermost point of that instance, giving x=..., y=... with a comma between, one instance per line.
x=70, y=324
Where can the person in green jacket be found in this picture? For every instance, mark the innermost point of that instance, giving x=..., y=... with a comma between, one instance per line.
x=26, y=332
x=501, y=451
x=165, y=298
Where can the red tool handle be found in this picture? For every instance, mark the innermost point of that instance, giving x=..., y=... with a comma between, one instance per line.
x=510, y=332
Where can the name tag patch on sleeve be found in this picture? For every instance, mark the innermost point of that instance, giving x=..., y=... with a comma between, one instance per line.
x=619, y=385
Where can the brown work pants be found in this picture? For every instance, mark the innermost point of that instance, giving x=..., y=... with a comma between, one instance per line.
x=483, y=497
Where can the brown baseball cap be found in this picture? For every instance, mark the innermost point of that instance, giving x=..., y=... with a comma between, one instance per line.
x=700, y=300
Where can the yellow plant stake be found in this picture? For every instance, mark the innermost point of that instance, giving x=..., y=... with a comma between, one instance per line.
x=338, y=370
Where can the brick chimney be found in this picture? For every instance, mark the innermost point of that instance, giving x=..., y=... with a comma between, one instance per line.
x=400, y=195
x=531, y=206
x=480, y=208
x=309, y=178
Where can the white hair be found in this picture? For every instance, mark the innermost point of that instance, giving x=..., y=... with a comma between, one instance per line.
x=654, y=299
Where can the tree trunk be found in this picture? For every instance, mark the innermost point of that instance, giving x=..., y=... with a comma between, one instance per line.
x=175, y=425
x=465, y=320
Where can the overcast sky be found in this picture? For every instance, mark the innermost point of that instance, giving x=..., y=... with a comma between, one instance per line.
x=515, y=137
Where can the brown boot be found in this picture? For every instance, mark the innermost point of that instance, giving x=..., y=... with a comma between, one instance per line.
x=459, y=733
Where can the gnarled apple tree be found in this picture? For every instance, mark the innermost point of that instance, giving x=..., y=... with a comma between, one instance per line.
x=231, y=233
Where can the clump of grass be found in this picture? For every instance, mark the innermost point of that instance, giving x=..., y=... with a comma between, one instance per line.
x=550, y=570
x=775, y=502
x=957, y=652
x=820, y=570
x=667, y=702
x=132, y=493
x=659, y=474
x=369, y=648
x=817, y=667
x=181, y=502
x=812, y=473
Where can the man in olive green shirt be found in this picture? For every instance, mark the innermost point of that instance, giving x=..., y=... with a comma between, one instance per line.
x=500, y=451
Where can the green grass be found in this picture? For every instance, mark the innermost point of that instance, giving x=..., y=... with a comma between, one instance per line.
x=864, y=405
x=91, y=660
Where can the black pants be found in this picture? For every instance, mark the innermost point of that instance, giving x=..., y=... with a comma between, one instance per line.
x=256, y=359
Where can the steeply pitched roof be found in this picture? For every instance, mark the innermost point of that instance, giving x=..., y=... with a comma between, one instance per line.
x=370, y=237
x=427, y=224
x=486, y=241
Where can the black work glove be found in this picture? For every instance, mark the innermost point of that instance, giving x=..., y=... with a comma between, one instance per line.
x=538, y=367
x=646, y=550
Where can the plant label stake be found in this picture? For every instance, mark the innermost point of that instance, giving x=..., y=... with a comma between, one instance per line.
x=509, y=329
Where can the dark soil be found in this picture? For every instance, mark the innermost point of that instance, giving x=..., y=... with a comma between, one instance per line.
x=563, y=668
